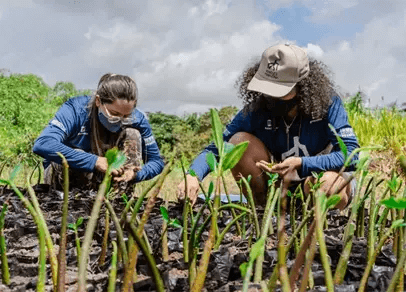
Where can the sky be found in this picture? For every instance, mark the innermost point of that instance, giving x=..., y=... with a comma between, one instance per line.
x=186, y=55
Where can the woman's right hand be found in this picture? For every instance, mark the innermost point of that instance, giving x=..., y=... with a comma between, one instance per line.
x=102, y=165
x=193, y=188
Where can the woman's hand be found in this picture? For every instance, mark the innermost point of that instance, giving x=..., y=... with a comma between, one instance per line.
x=126, y=174
x=122, y=174
x=286, y=169
x=193, y=188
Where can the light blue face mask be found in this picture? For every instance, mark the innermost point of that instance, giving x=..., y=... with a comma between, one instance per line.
x=112, y=127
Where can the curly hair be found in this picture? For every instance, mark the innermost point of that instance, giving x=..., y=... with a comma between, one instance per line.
x=314, y=92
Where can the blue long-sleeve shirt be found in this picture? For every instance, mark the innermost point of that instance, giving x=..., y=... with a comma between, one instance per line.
x=70, y=130
x=307, y=138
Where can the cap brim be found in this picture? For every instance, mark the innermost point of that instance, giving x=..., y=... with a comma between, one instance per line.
x=275, y=89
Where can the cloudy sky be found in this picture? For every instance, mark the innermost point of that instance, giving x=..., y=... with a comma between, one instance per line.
x=185, y=55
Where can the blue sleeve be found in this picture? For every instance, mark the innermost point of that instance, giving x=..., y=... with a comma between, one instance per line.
x=65, y=123
x=240, y=123
x=153, y=163
x=337, y=117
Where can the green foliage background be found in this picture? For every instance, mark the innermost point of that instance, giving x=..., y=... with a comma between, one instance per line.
x=27, y=103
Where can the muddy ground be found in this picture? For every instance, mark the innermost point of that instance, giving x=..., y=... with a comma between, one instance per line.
x=223, y=273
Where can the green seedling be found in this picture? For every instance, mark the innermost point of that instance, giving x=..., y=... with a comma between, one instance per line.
x=45, y=241
x=75, y=227
x=171, y=222
x=133, y=249
x=371, y=261
x=228, y=157
x=113, y=269
x=115, y=160
x=5, y=273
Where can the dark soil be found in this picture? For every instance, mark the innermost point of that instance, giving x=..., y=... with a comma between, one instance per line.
x=223, y=273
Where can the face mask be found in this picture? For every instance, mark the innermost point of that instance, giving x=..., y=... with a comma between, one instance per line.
x=281, y=108
x=112, y=127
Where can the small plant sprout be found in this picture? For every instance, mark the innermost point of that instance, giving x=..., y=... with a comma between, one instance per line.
x=75, y=226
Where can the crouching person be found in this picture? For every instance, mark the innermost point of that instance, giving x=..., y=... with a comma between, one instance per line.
x=85, y=127
x=289, y=103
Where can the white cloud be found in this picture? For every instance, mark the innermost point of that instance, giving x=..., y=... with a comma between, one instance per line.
x=374, y=60
x=314, y=50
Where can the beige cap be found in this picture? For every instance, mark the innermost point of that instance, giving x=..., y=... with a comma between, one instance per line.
x=281, y=67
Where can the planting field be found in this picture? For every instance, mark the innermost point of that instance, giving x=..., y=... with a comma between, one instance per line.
x=224, y=269
x=102, y=240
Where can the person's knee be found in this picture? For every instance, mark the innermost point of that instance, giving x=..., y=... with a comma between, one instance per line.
x=331, y=183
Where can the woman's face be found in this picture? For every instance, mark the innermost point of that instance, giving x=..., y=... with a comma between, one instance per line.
x=118, y=108
x=286, y=97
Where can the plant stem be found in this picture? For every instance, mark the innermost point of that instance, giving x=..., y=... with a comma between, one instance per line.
x=5, y=272
x=48, y=240
x=133, y=249
x=226, y=229
x=308, y=266
x=204, y=261
x=113, y=269
x=77, y=241
x=266, y=221
x=252, y=205
x=159, y=284
x=103, y=252
x=283, y=271
x=164, y=236
x=91, y=226
x=64, y=223
x=185, y=218
x=119, y=230
x=322, y=244
x=232, y=210
x=42, y=260
x=371, y=261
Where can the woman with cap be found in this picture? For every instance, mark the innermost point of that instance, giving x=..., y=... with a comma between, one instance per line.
x=289, y=103
x=85, y=127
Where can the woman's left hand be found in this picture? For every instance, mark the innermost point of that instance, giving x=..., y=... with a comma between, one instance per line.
x=286, y=169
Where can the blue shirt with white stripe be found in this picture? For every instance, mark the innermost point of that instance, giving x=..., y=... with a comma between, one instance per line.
x=307, y=138
x=70, y=130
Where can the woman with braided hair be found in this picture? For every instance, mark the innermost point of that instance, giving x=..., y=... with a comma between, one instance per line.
x=289, y=103
x=85, y=127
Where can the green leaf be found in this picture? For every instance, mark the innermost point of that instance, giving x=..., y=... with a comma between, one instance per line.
x=211, y=160
x=243, y=269
x=217, y=130
x=125, y=198
x=192, y=172
x=119, y=161
x=341, y=143
x=211, y=188
x=332, y=201
x=398, y=223
x=111, y=155
x=79, y=221
x=15, y=171
x=393, y=203
x=232, y=158
x=164, y=213
x=257, y=249
x=72, y=226
x=3, y=181
x=228, y=147
x=175, y=223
